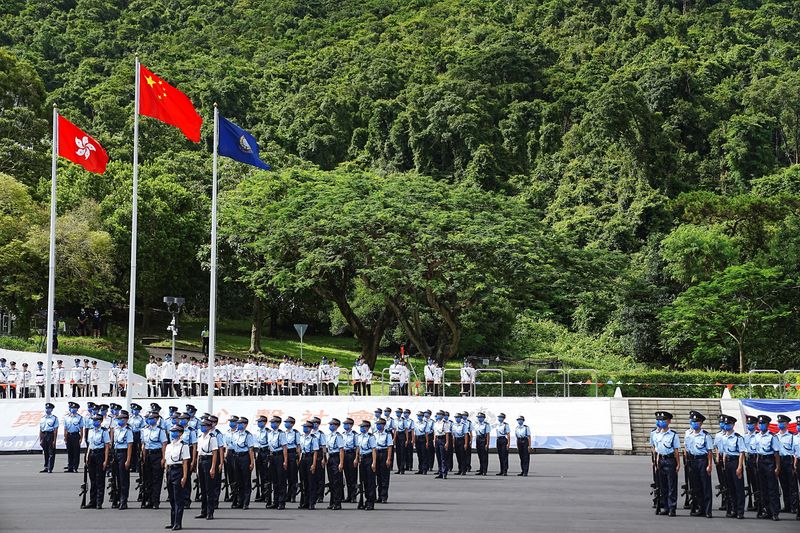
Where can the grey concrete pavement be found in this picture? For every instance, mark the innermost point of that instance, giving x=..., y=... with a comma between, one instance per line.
x=565, y=493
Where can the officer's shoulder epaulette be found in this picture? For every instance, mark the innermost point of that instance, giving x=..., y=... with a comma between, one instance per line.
x=736, y=434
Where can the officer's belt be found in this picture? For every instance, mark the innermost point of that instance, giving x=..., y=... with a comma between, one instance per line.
x=670, y=456
x=241, y=454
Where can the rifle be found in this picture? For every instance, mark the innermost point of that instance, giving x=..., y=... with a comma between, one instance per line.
x=85, y=486
x=257, y=482
x=688, y=490
x=360, y=485
x=141, y=481
x=226, y=482
x=113, y=482
x=655, y=486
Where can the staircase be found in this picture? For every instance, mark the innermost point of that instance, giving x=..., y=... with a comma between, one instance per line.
x=642, y=413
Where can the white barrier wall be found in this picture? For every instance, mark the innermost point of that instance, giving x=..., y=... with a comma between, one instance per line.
x=556, y=423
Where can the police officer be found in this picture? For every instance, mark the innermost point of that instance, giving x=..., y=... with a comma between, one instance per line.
x=261, y=449
x=751, y=466
x=524, y=445
x=797, y=462
x=409, y=426
x=293, y=449
x=698, y=460
x=483, y=432
x=230, y=460
x=420, y=443
x=322, y=440
x=279, y=462
x=48, y=435
x=350, y=469
x=502, y=430
x=154, y=444
x=450, y=452
x=769, y=468
x=177, y=458
x=136, y=423
x=787, y=479
x=458, y=432
x=207, y=457
x=468, y=429
x=309, y=456
x=441, y=432
x=732, y=450
x=431, y=455
x=242, y=443
x=98, y=442
x=73, y=430
x=217, y=479
x=666, y=445
x=335, y=464
x=366, y=459
x=123, y=454
x=189, y=438
x=400, y=440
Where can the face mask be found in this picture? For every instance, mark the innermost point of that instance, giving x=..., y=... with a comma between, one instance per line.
x=781, y=425
x=48, y=411
x=728, y=427
x=274, y=425
x=135, y=411
x=721, y=425
x=481, y=419
x=377, y=414
x=332, y=428
x=520, y=422
x=763, y=427
x=438, y=417
x=419, y=418
x=398, y=414
x=458, y=419
x=115, y=412
x=751, y=427
x=241, y=427
x=205, y=429
x=316, y=426
x=150, y=421
x=261, y=424
x=694, y=425
x=120, y=422
x=387, y=414
x=347, y=427
x=232, y=425
x=287, y=425
x=500, y=418
x=73, y=410
x=306, y=430
x=363, y=429
x=379, y=427
x=174, y=434
x=184, y=422
x=96, y=423
x=661, y=423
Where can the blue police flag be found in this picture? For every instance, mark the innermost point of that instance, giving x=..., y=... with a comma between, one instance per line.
x=237, y=144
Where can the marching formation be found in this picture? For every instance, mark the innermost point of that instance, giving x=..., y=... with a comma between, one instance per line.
x=753, y=470
x=274, y=463
x=82, y=380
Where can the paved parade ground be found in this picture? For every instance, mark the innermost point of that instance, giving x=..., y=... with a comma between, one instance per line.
x=579, y=493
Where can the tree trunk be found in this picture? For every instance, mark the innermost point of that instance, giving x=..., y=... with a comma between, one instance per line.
x=256, y=319
x=412, y=330
x=741, y=356
x=147, y=315
x=273, y=322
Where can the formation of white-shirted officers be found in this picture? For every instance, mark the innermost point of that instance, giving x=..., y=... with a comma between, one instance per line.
x=287, y=463
x=753, y=470
x=82, y=380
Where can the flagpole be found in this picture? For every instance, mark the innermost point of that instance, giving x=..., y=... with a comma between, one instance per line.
x=134, y=229
x=51, y=275
x=212, y=306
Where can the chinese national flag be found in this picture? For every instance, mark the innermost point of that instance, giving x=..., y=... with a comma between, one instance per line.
x=75, y=145
x=159, y=99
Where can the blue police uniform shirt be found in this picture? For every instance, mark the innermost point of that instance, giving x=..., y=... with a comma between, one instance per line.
x=322, y=439
x=277, y=440
x=503, y=429
x=752, y=442
x=420, y=428
x=227, y=436
x=349, y=440
x=189, y=436
x=153, y=437
x=797, y=445
x=457, y=429
x=261, y=436
x=429, y=426
x=48, y=423
x=309, y=443
x=98, y=438
x=522, y=432
x=383, y=439
x=366, y=443
x=292, y=437
x=122, y=437
x=732, y=444
x=335, y=442
x=193, y=423
x=391, y=423
x=666, y=442
x=787, y=444
x=73, y=423
x=242, y=441
x=717, y=437
x=468, y=426
x=87, y=421
x=220, y=438
x=768, y=444
x=136, y=423
x=698, y=443
x=164, y=424
x=483, y=428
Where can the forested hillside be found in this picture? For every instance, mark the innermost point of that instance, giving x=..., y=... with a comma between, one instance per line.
x=473, y=177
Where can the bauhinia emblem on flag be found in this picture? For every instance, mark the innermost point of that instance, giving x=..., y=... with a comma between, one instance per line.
x=159, y=99
x=78, y=147
x=236, y=143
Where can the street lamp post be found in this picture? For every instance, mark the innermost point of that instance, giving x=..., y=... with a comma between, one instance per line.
x=174, y=305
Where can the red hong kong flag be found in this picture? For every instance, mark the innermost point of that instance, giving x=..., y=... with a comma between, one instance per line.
x=75, y=145
x=159, y=99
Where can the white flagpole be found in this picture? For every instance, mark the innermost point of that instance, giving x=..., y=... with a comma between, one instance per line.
x=134, y=229
x=51, y=279
x=212, y=306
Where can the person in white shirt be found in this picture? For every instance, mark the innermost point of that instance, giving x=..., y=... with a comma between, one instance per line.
x=91, y=378
x=168, y=375
x=76, y=379
x=182, y=373
x=176, y=459
x=12, y=379
x=335, y=371
x=394, y=377
x=113, y=378
x=3, y=378
x=355, y=376
x=207, y=446
x=438, y=380
x=122, y=379
x=468, y=379
x=151, y=374
x=405, y=375
x=39, y=378
x=366, y=376
x=25, y=382
x=430, y=378
x=58, y=377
